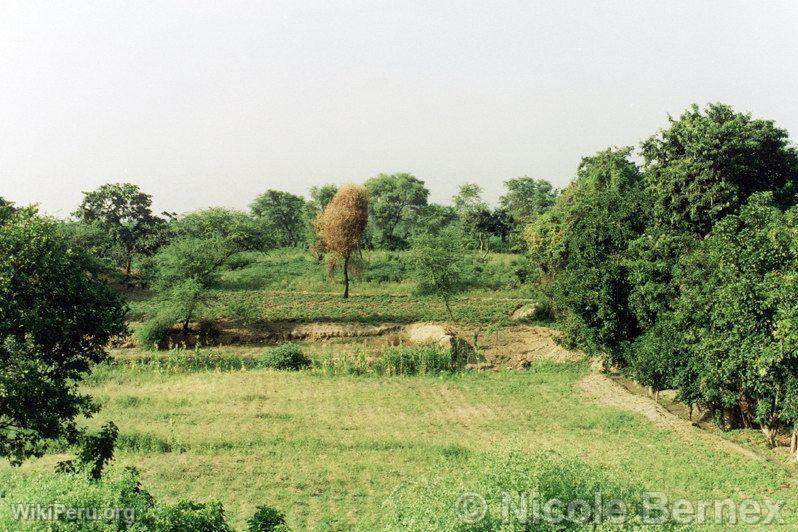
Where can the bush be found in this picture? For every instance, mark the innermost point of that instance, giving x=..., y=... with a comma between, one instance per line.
x=420, y=360
x=154, y=333
x=287, y=356
x=266, y=519
x=188, y=515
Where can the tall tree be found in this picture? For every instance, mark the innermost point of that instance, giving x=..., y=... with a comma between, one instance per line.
x=395, y=202
x=56, y=318
x=527, y=197
x=320, y=196
x=706, y=164
x=340, y=228
x=283, y=214
x=468, y=199
x=440, y=265
x=124, y=212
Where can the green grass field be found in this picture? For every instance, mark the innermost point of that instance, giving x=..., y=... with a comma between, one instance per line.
x=333, y=452
x=290, y=285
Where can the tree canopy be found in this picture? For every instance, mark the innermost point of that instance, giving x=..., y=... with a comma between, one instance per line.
x=56, y=317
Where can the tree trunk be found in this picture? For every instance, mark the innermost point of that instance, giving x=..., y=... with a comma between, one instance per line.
x=770, y=434
x=448, y=308
x=346, y=278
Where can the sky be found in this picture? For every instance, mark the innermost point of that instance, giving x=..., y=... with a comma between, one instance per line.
x=208, y=103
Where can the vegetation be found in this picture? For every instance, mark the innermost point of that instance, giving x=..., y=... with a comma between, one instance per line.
x=56, y=318
x=680, y=272
x=340, y=229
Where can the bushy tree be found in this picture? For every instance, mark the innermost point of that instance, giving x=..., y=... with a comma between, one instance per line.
x=283, y=215
x=740, y=291
x=394, y=204
x=707, y=163
x=596, y=219
x=527, y=197
x=435, y=218
x=56, y=317
x=440, y=264
x=320, y=197
x=468, y=199
x=483, y=225
x=124, y=212
x=340, y=228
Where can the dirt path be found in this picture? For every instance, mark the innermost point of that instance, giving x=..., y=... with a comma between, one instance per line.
x=608, y=392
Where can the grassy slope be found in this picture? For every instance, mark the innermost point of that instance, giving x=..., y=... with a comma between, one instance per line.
x=330, y=450
x=289, y=285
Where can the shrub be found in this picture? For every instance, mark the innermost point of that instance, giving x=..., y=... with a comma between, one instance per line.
x=266, y=519
x=286, y=356
x=417, y=360
x=188, y=515
x=154, y=333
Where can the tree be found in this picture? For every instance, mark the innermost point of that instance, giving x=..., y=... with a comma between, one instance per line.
x=527, y=197
x=587, y=231
x=435, y=218
x=320, y=197
x=395, y=202
x=190, y=265
x=439, y=264
x=56, y=318
x=340, y=228
x=482, y=224
x=706, y=164
x=124, y=212
x=739, y=304
x=282, y=214
x=468, y=199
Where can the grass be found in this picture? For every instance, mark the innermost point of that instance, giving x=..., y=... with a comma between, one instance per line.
x=331, y=451
x=290, y=285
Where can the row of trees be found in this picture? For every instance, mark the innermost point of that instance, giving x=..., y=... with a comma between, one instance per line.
x=683, y=270
x=116, y=221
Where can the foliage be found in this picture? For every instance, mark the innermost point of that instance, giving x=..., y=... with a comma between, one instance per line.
x=266, y=519
x=395, y=201
x=468, y=199
x=527, y=197
x=601, y=217
x=440, y=265
x=739, y=299
x=189, y=515
x=706, y=164
x=282, y=215
x=96, y=450
x=233, y=229
x=286, y=356
x=124, y=212
x=340, y=228
x=56, y=317
x=417, y=360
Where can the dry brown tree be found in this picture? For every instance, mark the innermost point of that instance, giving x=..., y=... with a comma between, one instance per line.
x=340, y=228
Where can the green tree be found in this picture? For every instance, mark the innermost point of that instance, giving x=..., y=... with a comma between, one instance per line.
x=320, y=197
x=707, y=163
x=56, y=318
x=738, y=303
x=283, y=215
x=440, y=265
x=593, y=222
x=124, y=212
x=468, y=199
x=189, y=266
x=394, y=204
x=527, y=197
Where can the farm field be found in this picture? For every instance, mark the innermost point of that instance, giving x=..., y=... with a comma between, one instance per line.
x=341, y=452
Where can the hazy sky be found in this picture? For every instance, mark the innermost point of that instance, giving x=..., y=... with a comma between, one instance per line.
x=211, y=103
